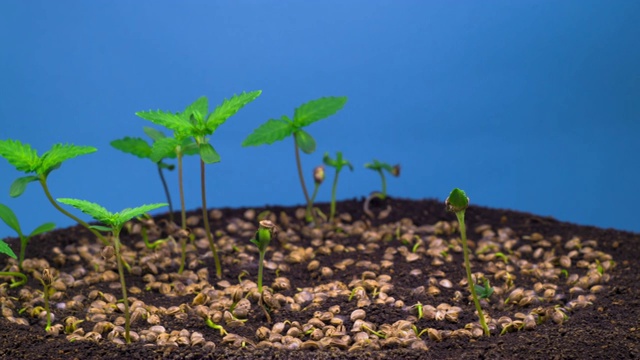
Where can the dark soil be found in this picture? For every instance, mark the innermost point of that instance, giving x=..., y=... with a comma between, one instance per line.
x=609, y=328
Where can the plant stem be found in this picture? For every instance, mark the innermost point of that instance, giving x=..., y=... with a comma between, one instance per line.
x=23, y=248
x=23, y=278
x=304, y=187
x=46, y=305
x=333, y=197
x=183, y=214
x=125, y=299
x=467, y=265
x=43, y=182
x=309, y=211
x=205, y=218
x=166, y=192
x=260, y=266
x=384, y=185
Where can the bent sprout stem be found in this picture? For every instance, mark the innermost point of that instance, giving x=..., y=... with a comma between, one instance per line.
x=23, y=278
x=205, y=217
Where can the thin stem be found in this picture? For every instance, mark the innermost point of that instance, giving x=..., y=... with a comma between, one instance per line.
x=166, y=192
x=183, y=214
x=23, y=278
x=467, y=265
x=43, y=182
x=304, y=187
x=309, y=211
x=260, y=266
x=207, y=226
x=384, y=185
x=333, y=197
x=46, y=305
x=23, y=248
x=125, y=299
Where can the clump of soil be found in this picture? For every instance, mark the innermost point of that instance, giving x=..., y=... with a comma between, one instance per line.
x=389, y=283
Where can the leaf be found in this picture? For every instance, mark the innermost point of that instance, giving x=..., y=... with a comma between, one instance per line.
x=319, y=109
x=338, y=163
x=269, y=132
x=22, y=156
x=101, y=228
x=43, y=229
x=134, y=146
x=20, y=185
x=92, y=209
x=200, y=106
x=128, y=214
x=228, y=108
x=9, y=217
x=457, y=200
x=164, y=148
x=5, y=249
x=209, y=154
x=60, y=153
x=305, y=141
x=189, y=147
x=154, y=134
x=169, y=120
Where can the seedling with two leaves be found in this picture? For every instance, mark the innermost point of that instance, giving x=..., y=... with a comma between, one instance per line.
x=380, y=168
x=10, y=218
x=194, y=123
x=338, y=163
x=114, y=222
x=279, y=129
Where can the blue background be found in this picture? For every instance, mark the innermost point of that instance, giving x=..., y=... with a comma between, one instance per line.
x=528, y=105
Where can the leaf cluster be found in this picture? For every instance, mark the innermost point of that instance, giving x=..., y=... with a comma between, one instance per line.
x=457, y=201
x=115, y=221
x=380, y=166
x=338, y=163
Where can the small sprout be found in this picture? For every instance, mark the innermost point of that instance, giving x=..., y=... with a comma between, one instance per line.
x=46, y=280
x=502, y=257
x=318, y=178
x=416, y=246
x=458, y=202
x=242, y=274
x=380, y=167
x=381, y=335
x=338, y=163
x=9, y=218
x=266, y=231
x=418, y=307
x=565, y=273
x=484, y=292
x=215, y=326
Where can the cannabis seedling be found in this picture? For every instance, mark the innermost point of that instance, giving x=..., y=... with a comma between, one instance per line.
x=114, y=222
x=266, y=231
x=5, y=249
x=9, y=218
x=381, y=167
x=318, y=178
x=195, y=123
x=484, y=292
x=26, y=159
x=458, y=202
x=47, y=280
x=278, y=129
x=338, y=164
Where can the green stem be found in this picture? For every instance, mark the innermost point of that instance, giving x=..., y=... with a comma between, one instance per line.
x=166, y=192
x=43, y=182
x=183, y=213
x=309, y=211
x=304, y=187
x=46, y=305
x=23, y=278
x=125, y=299
x=260, y=266
x=333, y=197
x=23, y=248
x=467, y=265
x=384, y=185
x=205, y=217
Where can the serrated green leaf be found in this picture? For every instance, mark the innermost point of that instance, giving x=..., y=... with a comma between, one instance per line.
x=163, y=148
x=19, y=185
x=20, y=155
x=199, y=107
x=128, y=214
x=169, y=120
x=5, y=249
x=43, y=229
x=305, y=141
x=319, y=109
x=9, y=217
x=269, y=132
x=338, y=163
x=59, y=153
x=208, y=154
x=154, y=134
x=457, y=200
x=92, y=209
x=134, y=146
x=101, y=228
x=228, y=108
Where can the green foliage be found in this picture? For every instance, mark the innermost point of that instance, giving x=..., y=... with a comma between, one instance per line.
x=228, y=108
x=21, y=156
x=338, y=163
x=319, y=109
x=5, y=249
x=113, y=220
x=379, y=166
x=134, y=146
x=457, y=201
x=270, y=132
x=484, y=292
x=9, y=217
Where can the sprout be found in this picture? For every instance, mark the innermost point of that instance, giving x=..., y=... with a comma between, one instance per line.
x=9, y=218
x=381, y=167
x=266, y=231
x=338, y=164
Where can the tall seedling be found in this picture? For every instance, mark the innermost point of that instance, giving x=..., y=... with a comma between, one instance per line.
x=338, y=164
x=114, y=222
x=26, y=159
x=196, y=124
x=278, y=129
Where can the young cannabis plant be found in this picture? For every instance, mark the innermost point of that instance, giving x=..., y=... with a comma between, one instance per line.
x=114, y=222
x=318, y=178
x=278, y=129
x=47, y=280
x=458, y=202
x=196, y=124
x=266, y=231
x=26, y=159
x=380, y=167
x=9, y=218
x=338, y=164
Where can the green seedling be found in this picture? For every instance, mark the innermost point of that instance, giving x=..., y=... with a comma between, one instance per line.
x=215, y=326
x=502, y=257
x=338, y=164
x=46, y=280
x=26, y=159
x=196, y=124
x=381, y=167
x=458, y=202
x=266, y=231
x=484, y=292
x=564, y=273
x=114, y=222
x=9, y=218
x=278, y=129
x=418, y=307
x=139, y=147
x=318, y=178
x=143, y=232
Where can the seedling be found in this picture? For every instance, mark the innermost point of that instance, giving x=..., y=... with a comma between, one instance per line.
x=5, y=249
x=9, y=218
x=381, y=167
x=318, y=178
x=458, y=202
x=278, y=129
x=46, y=280
x=484, y=292
x=26, y=159
x=195, y=123
x=502, y=257
x=114, y=222
x=338, y=164
x=266, y=231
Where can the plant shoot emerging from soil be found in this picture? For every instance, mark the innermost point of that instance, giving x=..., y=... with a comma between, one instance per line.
x=114, y=222
x=338, y=163
x=261, y=240
x=318, y=178
x=46, y=280
x=10, y=218
x=26, y=159
x=278, y=129
x=381, y=167
x=458, y=202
